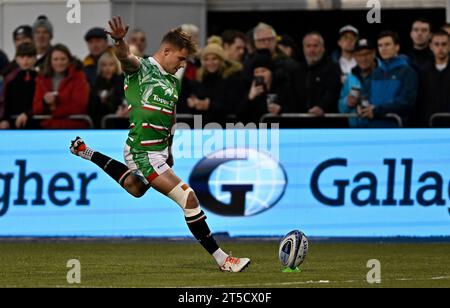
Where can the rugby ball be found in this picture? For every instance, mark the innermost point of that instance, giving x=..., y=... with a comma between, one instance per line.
x=293, y=249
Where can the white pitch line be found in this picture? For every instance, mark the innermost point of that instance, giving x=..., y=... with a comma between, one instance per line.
x=253, y=284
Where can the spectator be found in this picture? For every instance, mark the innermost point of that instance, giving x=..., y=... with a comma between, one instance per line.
x=19, y=89
x=357, y=86
x=319, y=81
x=217, y=86
x=42, y=36
x=234, y=45
x=97, y=42
x=267, y=94
x=434, y=89
x=348, y=36
x=284, y=68
x=290, y=48
x=3, y=60
x=394, y=84
x=61, y=90
x=107, y=95
x=193, y=63
x=250, y=43
x=446, y=28
x=421, y=54
x=22, y=34
x=138, y=39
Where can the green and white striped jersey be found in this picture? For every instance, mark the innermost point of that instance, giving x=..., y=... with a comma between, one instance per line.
x=152, y=94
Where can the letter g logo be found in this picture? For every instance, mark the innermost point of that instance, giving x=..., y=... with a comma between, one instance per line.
x=238, y=182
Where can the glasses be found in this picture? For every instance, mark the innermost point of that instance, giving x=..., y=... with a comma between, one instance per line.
x=265, y=39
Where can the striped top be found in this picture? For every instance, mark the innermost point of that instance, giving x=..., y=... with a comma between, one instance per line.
x=152, y=94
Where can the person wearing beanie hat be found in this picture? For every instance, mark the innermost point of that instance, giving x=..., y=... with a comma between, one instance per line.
x=42, y=37
x=269, y=92
x=22, y=34
x=210, y=95
x=97, y=43
x=214, y=46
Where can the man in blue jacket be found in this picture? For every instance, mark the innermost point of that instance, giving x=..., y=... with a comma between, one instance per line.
x=357, y=86
x=393, y=87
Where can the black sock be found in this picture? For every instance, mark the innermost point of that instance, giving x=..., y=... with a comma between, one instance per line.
x=118, y=171
x=199, y=228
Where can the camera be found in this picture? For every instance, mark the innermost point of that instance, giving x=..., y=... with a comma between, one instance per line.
x=259, y=81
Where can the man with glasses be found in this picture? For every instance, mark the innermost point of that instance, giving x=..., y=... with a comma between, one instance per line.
x=285, y=69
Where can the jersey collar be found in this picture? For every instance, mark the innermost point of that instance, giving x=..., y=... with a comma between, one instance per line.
x=154, y=62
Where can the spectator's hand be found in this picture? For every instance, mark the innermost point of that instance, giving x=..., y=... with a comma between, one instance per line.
x=352, y=101
x=4, y=125
x=192, y=102
x=366, y=112
x=317, y=111
x=255, y=91
x=122, y=111
x=203, y=104
x=274, y=109
x=50, y=98
x=118, y=29
x=21, y=120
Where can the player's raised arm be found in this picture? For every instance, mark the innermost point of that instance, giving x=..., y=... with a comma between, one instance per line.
x=130, y=63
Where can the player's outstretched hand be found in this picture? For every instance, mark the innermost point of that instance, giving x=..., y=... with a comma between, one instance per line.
x=118, y=29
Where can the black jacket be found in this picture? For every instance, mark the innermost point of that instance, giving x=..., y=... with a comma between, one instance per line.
x=114, y=98
x=418, y=59
x=224, y=95
x=3, y=60
x=253, y=110
x=319, y=85
x=19, y=93
x=434, y=93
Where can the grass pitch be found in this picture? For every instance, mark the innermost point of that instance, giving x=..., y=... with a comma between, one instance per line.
x=160, y=264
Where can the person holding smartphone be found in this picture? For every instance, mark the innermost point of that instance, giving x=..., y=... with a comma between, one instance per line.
x=268, y=92
x=354, y=94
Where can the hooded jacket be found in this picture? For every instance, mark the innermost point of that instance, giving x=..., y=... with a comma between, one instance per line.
x=355, y=80
x=393, y=89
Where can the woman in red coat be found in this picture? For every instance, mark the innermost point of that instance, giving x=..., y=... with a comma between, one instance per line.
x=62, y=90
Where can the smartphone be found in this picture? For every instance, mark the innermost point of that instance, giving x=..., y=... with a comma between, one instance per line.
x=259, y=81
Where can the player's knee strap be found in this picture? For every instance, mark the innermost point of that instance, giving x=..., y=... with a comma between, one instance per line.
x=180, y=194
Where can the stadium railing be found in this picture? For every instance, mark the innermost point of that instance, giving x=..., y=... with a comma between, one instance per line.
x=332, y=119
x=441, y=119
x=79, y=117
x=112, y=121
x=329, y=120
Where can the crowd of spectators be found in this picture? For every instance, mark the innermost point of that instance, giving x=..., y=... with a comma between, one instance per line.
x=235, y=77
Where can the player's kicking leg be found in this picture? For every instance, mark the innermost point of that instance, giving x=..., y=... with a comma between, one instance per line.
x=171, y=186
x=116, y=170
